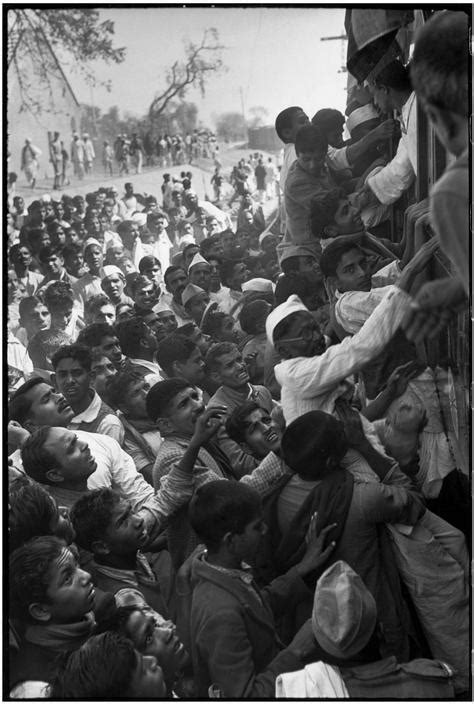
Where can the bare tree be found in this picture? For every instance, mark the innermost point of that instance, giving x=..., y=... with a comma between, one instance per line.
x=42, y=43
x=202, y=60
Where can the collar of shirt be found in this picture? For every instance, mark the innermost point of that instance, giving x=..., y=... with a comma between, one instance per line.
x=91, y=412
x=244, y=573
x=404, y=115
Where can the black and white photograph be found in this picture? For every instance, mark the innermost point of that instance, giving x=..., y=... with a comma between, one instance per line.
x=237, y=352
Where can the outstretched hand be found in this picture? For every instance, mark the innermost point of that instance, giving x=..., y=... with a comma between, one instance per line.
x=419, y=262
x=398, y=380
x=208, y=423
x=316, y=554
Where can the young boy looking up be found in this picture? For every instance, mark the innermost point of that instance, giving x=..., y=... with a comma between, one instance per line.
x=108, y=666
x=54, y=598
x=232, y=620
x=108, y=527
x=254, y=429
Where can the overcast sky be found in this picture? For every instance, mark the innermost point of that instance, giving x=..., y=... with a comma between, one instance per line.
x=274, y=54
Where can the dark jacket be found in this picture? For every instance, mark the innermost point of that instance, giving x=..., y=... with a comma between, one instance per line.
x=388, y=679
x=235, y=645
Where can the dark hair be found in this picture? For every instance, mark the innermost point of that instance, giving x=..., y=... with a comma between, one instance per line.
x=130, y=332
x=28, y=304
x=313, y=443
x=20, y=404
x=333, y=253
x=216, y=351
x=284, y=121
x=29, y=573
x=395, y=75
x=71, y=249
x=161, y=395
x=93, y=305
x=213, y=322
x=235, y=422
x=36, y=460
x=253, y=313
x=187, y=329
x=174, y=348
x=44, y=344
x=78, y=352
x=58, y=295
x=101, y=669
x=227, y=269
x=92, y=335
x=328, y=119
x=439, y=67
x=323, y=210
x=221, y=507
x=31, y=511
x=139, y=281
x=207, y=245
x=290, y=284
x=117, y=386
x=91, y=516
x=171, y=270
x=48, y=252
x=53, y=227
x=15, y=248
x=309, y=138
x=147, y=262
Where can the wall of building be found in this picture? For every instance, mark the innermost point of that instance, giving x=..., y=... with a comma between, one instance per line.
x=264, y=138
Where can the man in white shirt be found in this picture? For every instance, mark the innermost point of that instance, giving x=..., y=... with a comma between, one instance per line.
x=392, y=90
x=312, y=376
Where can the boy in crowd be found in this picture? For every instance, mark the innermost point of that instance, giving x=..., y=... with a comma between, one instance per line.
x=226, y=367
x=254, y=429
x=107, y=526
x=103, y=337
x=72, y=378
x=107, y=666
x=228, y=519
x=127, y=392
x=179, y=357
x=55, y=600
x=33, y=512
x=176, y=408
x=252, y=321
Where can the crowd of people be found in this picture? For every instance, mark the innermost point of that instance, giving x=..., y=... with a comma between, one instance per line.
x=126, y=154
x=231, y=469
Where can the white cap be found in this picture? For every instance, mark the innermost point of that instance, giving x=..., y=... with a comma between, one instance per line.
x=161, y=307
x=46, y=198
x=139, y=218
x=361, y=115
x=292, y=305
x=110, y=270
x=198, y=259
x=186, y=239
x=259, y=285
x=189, y=292
x=90, y=241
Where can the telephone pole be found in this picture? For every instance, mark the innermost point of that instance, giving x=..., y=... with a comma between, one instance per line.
x=342, y=38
